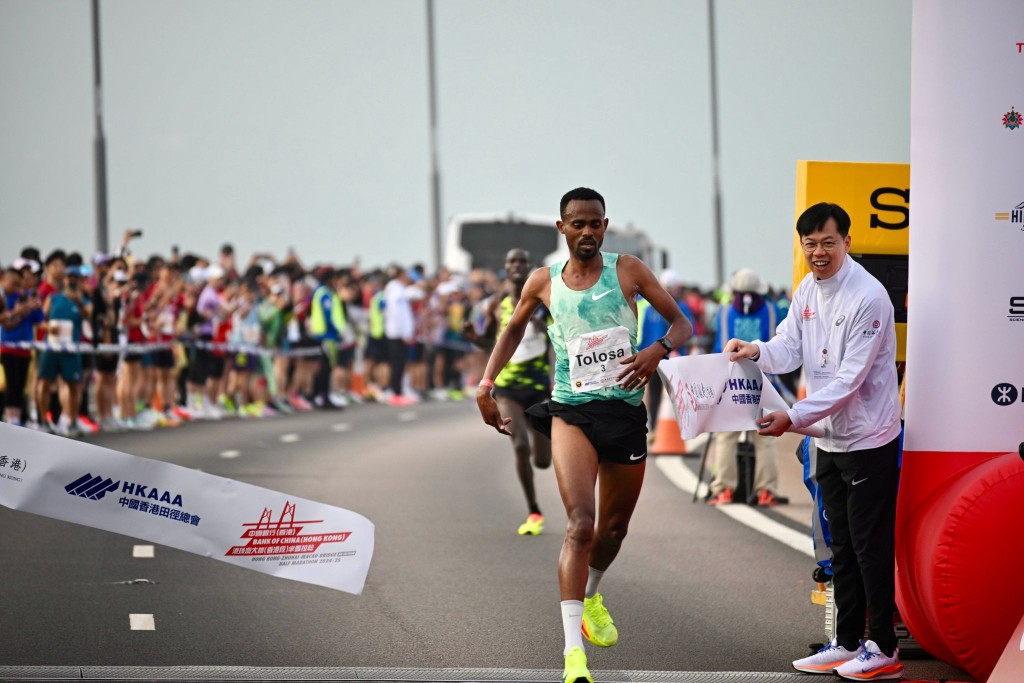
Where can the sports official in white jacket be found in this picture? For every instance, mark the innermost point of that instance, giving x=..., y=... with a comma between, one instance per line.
x=841, y=328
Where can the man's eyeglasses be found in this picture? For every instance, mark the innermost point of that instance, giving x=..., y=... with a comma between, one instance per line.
x=829, y=245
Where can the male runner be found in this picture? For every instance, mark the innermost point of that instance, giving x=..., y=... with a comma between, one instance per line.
x=524, y=381
x=596, y=417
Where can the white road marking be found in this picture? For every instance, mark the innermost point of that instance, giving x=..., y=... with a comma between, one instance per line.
x=289, y=438
x=230, y=454
x=341, y=427
x=406, y=417
x=680, y=475
x=143, y=551
x=142, y=622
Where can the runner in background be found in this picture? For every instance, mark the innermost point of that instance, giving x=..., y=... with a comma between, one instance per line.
x=524, y=381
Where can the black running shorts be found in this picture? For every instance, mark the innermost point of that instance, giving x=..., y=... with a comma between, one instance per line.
x=524, y=396
x=616, y=429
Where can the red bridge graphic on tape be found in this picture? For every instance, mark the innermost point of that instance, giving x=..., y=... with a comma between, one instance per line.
x=283, y=537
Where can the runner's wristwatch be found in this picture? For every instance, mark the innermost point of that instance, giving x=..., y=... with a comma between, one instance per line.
x=667, y=344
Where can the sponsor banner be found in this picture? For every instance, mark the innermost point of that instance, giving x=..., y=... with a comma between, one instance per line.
x=244, y=525
x=967, y=293
x=876, y=195
x=711, y=393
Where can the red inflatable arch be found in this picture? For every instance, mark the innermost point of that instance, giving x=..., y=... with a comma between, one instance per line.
x=959, y=553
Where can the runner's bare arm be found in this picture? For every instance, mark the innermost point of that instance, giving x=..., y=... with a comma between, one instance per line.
x=534, y=293
x=637, y=279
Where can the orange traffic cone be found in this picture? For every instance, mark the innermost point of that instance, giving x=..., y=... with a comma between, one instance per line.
x=357, y=385
x=668, y=440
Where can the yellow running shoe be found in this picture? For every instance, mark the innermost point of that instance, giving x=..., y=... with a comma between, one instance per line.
x=576, y=667
x=598, y=626
x=533, y=525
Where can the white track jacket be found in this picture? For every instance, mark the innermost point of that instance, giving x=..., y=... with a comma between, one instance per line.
x=843, y=332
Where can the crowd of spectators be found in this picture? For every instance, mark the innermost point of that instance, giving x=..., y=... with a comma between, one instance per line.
x=117, y=342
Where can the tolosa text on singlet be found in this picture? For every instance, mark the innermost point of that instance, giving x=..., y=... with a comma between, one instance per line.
x=595, y=357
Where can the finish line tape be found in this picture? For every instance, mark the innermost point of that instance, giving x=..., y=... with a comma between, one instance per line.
x=244, y=525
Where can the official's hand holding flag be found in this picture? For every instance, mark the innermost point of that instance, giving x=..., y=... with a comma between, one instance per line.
x=711, y=393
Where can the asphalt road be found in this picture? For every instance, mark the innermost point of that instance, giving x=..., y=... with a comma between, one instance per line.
x=451, y=584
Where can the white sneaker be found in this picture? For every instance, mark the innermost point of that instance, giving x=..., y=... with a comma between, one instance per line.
x=209, y=411
x=338, y=400
x=872, y=665
x=63, y=426
x=825, y=660
x=111, y=424
x=147, y=419
x=137, y=424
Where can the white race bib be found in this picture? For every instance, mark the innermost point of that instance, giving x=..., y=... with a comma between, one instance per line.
x=595, y=358
x=165, y=321
x=61, y=331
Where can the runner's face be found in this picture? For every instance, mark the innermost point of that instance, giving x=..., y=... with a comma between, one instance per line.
x=583, y=226
x=517, y=266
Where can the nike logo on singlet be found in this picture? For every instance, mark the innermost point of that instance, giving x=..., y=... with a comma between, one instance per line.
x=637, y=457
x=595, y=297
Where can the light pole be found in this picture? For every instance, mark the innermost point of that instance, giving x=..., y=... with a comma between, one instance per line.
x=435, y=174
x=99, y=143
x=715, y=181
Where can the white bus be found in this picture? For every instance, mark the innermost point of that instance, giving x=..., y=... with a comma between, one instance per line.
x=481, y=240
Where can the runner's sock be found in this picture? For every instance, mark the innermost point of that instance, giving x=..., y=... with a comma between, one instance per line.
x=593, y=579
x=572, y=622
x=534, y=509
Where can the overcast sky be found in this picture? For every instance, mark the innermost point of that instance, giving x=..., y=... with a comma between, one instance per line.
x=306, y=124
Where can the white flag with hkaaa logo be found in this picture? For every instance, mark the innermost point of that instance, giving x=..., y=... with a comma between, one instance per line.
x=711, y=393
x=244, y=525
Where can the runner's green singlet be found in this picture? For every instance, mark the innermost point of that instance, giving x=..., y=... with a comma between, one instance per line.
x=600, y=307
